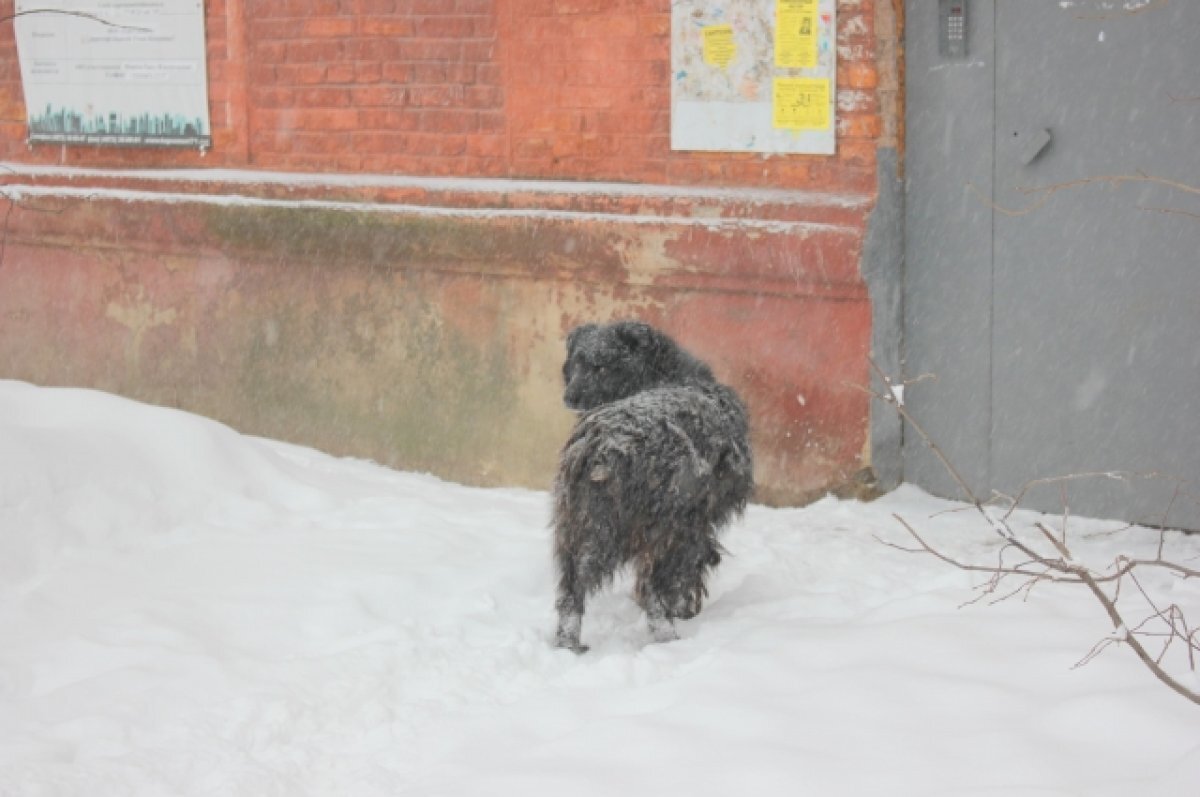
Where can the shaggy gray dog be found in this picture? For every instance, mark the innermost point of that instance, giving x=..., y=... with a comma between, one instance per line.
x=659, y=461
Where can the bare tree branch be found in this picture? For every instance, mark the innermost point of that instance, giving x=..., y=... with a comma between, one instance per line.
x=1168, y=625
x=1119, y=626
x=1045, y=193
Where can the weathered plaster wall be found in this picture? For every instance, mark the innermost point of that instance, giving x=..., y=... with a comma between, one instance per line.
x=419, y=321
x=430, y=337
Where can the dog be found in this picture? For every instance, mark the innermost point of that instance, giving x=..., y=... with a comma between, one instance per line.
x=658, y=463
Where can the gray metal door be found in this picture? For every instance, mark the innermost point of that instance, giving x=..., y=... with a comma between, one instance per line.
x=1054, y=275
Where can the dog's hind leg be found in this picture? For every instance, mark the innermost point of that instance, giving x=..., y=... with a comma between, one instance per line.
x=671, y=584
x=649, y=595
x=572, y=595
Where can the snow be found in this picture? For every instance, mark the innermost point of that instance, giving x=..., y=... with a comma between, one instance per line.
x=18, y=192
x=485, y=185
x=189, y=611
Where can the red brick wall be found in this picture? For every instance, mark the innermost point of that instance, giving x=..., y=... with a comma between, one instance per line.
x=560, y=89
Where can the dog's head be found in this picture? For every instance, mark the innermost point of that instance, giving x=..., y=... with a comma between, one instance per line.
x=615, y=361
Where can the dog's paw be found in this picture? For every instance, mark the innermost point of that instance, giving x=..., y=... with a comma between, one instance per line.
x=662, y=630
x=573, y=645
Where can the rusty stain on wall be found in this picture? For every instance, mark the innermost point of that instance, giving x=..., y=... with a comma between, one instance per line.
x=434, y=343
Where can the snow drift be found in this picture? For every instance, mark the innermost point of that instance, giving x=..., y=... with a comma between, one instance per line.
x=188, y=611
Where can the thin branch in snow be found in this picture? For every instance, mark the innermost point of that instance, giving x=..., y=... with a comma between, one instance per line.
x=1061, y=566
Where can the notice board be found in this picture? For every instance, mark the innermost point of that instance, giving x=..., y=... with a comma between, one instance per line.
x=114, y=72
x=754, y=76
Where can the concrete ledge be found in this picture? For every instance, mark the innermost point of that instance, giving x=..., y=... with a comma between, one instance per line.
x=420, y=322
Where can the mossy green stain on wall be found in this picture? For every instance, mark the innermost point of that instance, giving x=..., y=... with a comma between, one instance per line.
x=357, y=360
x=390, y=240
x=341, y=236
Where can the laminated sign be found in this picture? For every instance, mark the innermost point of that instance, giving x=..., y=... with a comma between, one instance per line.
x=116, y=73
x=754, y=75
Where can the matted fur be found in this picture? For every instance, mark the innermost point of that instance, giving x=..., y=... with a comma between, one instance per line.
x=658, y=463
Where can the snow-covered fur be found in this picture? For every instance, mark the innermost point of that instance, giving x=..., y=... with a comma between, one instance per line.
x=659, y=461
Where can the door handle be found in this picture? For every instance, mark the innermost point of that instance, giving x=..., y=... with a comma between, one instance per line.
x=1034, y=144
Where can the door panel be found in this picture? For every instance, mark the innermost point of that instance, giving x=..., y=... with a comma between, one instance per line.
x=948, y=248
x=1052, y=274
x=1096, y=303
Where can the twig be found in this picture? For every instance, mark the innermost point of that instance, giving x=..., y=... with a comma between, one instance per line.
x=1047, y=192
x=80, y=14
x=1111, y=179
x=1170, y=211
x=1062, y=569
x=1118, y=621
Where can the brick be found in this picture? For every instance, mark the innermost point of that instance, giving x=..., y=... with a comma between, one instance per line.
x=296, y=74
x=268, y=51
x=366, y=8
x=603, y=28
x=434, y=96
x=379, y=141
x=487, y=146
x=426, y=73
x=488, y=74
x=856, y=101
x=274, y=97
x=555, y=29
x=299, y=52
x=483, y=97
x=484, y=27
x=326, y=119
x=479, y=50
x=657, y=25
x=274, y=29
x=380, y=49
x=859, y=75
x=328, y=27
x=389, y=27
x=430, y=50
x=323, y=97
x=492, y=122
x=443, y=27
x=342, y=73
x=860, y=126
x=299, y=8
x=581, y=6
x=396, y=73
x=857, y=152
x=377, y=95
x=450, y=121
x=396, y=119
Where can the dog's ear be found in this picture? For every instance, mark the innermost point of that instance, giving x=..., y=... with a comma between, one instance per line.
x=578, y=332
x=635, y=335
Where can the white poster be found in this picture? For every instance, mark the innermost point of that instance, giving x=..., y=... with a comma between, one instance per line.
x=116, y=72
x=754, y=75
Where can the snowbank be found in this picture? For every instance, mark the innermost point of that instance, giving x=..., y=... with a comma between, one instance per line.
x=188, y=611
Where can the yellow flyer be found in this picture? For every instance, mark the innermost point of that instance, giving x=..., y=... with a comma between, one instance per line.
x=800, y=103
x=719, y=47
x=796, y=34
